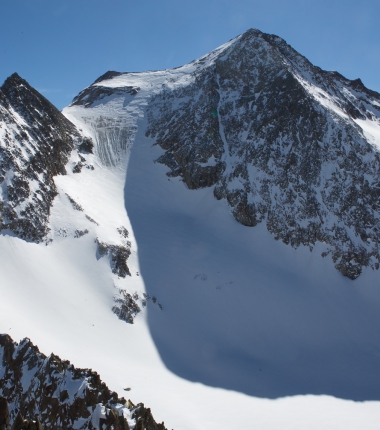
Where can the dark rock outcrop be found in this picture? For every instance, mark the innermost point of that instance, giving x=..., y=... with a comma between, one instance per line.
x=127, y=305
x=118, y=256
x=21, y=424
x=4, y=413
x=144, y=419
x=96, y=93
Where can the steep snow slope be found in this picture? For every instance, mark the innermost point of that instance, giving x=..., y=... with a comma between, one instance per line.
x=246, y=313
x=244, y=317
x=62, y=299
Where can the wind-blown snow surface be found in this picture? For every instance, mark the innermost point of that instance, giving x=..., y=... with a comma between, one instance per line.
x=252, y=334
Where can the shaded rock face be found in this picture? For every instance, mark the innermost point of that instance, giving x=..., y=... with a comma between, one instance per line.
x=4, y=413
x=35, y=143
x=278, y=139
x=189, y=134
x=51, y=393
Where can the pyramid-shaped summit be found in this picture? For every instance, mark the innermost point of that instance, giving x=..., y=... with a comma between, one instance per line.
x=293, y=146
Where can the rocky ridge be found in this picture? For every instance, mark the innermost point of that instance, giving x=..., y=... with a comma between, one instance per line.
x=54, y=394
x=35, y=143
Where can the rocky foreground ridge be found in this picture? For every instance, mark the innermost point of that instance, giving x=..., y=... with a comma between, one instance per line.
x=51, y=393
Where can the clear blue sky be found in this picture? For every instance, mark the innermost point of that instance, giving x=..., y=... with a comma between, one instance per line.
x=62, y=46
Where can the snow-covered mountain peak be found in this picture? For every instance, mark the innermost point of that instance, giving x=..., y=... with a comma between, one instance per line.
x=271, y=133
x=144, y=190
x=253, y=119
